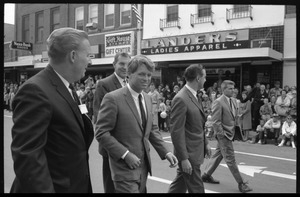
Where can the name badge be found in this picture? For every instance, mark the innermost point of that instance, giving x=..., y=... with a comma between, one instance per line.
x=83, y=109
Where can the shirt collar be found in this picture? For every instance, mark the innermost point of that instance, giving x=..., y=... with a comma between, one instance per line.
x=119, y=78
x=134, y=93
x=228, y=98
x=66, y=83
x=191, y=90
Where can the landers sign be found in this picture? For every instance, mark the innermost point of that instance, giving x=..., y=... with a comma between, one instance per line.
x=119, y=42
x=197, y=42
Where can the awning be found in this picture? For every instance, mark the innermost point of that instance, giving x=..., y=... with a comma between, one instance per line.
x=27, y=62
x=101, y=61
x=40, y=64
x=249, y=54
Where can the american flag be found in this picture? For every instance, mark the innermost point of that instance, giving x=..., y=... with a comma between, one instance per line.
x=137, y=13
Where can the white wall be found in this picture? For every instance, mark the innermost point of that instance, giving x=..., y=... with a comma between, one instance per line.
x=290, y=53
x=263, y=16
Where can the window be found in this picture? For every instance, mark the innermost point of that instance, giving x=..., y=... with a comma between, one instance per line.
x=39, y=27
x=204, y=10
x=241, y=8
x=125, y=13
x=79, y=18
x=55, y=19
x=25, y=28
x=290, y=9
x=172, y=12
x=93, y=13
x=109, y=10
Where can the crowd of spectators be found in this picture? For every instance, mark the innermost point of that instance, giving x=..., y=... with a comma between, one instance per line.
x=10, y=89
x=258, y=106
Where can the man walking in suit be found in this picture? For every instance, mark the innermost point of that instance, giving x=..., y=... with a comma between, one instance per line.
x=187, y=133
x=125, y=128
x=51, y=134
x=224, y=115
x=108, y=84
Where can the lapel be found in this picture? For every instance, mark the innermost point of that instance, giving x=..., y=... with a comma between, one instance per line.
x=194, y=100
x=63, y=91
x=148, y=109
x=116, y=81
x=228, y=105
x=131, y=104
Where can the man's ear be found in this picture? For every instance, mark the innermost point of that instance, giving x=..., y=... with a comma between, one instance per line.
x=72, y=55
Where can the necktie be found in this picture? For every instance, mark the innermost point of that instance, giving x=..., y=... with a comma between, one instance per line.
x=200, y=102
x=124, y=82
x=74, y=94
x=142, y=112
x=231, y=105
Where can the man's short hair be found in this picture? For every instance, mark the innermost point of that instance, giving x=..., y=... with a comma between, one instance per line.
x=225, y=83
x=116, y=58
x=62, y=41
x=192, y=71
x=139, y=60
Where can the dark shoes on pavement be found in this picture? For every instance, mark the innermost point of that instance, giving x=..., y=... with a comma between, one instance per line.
x=243, y=187
x=209, y=179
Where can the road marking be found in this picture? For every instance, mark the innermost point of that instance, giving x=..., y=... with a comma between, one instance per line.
x=279, y=175
x=253, y=154
x=7, y=116
x=167, y=137
x=169, y=182
x=250, y=170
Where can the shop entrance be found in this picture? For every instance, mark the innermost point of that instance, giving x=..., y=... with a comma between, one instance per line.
x=219, y=74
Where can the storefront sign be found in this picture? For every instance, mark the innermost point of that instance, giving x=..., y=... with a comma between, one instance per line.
x=259, y=43
x=197, y=42
x=21, y=45
x=119, y=42
x=197, y=47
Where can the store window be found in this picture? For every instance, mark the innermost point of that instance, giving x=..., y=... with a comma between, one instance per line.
x=55, y=18
x=93, y=13
x=172, y=12
x=79, y=13
x=25, y=28
x=204, y=10
x=125, y=13
x=109, y=13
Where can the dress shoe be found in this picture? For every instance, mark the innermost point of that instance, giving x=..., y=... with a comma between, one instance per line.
x=243, y=187
x=209, y=179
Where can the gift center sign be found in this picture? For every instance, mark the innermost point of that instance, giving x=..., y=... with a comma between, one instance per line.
x=119, y=43
x=197, y=42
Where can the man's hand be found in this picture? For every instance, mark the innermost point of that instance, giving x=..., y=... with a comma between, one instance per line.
x=172, y=159
x=207, y=151
x=186, y=166
x=132, y=161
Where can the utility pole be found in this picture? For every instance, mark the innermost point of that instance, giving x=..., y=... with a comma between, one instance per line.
x=139, y=33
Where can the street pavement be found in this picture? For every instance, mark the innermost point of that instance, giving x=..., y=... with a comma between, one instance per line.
x=267, y=168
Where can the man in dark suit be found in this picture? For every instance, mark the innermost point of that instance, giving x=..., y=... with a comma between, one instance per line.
x=224, y=118
x=187, y=133
x=125, y=128
x=51, y=134
x=108, y=84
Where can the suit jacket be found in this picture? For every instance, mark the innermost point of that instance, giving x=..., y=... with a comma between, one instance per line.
x=119, y=129
x=50, y=138
x=187, y=127
x=104, y=86
x=224, y=120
